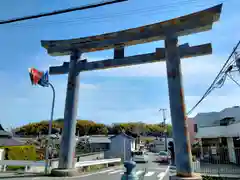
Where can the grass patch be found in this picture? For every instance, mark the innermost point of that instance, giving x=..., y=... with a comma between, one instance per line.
x=98, y=167
x=146, y=138
x=15, y=168
x=93, y=168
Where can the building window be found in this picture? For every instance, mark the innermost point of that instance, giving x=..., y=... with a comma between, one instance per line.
x=195, y=128
x=226, y=121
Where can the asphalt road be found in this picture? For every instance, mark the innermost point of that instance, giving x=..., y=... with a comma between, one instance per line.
x=154, y=171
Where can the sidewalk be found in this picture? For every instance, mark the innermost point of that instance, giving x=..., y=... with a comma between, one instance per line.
x=219, y=169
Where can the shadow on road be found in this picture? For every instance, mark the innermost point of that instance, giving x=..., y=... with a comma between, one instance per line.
x=17, y=175
x=161, y=163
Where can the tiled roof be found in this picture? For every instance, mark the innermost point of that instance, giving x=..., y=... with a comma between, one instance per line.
x=123, y=134
x=4, y=133
x=99, y=139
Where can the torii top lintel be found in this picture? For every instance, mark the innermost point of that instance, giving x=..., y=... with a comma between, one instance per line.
x=184, y=25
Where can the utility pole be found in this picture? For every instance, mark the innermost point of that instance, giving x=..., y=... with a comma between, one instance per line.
x=163, y=110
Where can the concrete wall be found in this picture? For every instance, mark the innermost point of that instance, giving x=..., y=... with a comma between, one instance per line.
x=1, y=156
x=231, y=150
x=192, y=133
x=116, y=149
x=231, y=130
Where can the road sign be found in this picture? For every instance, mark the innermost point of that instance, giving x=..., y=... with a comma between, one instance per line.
x=44, y=80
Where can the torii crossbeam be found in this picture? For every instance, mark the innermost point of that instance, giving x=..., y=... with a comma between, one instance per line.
x=167, y=31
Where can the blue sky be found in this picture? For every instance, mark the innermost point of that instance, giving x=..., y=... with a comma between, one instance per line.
x=115, y=95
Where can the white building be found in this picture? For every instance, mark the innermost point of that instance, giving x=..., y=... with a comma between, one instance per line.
x=121, y=146
x=220, y=129
x=158, y=144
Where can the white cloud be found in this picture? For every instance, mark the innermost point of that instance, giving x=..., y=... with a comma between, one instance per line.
x=204, y=66
x=200, y=70
x=215, y=101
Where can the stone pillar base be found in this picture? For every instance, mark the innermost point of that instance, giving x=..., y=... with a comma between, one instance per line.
x=64, y=172
x=195, y=177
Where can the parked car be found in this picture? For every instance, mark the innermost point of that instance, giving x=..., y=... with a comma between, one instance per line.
x=163, y=156
x=140, y=156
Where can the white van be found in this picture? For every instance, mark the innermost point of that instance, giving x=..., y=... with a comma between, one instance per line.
x=139, y=156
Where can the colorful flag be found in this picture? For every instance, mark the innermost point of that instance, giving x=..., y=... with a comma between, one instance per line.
x=38, y=77
x=35, y=75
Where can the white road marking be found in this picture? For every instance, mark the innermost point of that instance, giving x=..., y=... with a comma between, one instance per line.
x=90, y=174
x=139, y=172
x=159, y=168
x=117, y=171
x=160, y=175
x=149, y=173
x=163, y=174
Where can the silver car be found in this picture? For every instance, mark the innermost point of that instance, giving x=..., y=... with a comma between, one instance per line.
x=140, y=156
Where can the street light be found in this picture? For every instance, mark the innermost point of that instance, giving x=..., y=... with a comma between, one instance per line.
x=41, y=78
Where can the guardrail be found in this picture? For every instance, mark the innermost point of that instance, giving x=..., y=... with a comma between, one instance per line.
x=78, y=157
x=28, y=164
x=96, y=162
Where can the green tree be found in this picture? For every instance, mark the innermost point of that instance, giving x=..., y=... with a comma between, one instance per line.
x=86, y=127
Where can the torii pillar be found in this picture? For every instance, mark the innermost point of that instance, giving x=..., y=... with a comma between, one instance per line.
x=66, y=165
x=183, y=155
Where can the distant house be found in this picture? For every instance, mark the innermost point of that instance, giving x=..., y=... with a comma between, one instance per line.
x=158, y=144
x=99, y=143
x=94, y=143
x=121, y=146
x=136, y=137
x=6, y=138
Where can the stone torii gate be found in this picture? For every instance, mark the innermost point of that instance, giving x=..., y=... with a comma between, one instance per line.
x=167, y=31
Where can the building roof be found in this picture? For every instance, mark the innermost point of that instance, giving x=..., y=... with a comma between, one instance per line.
x=123, y=134
x=213, y=118
x=100, y=139
x=4, y=133
x=96, y=138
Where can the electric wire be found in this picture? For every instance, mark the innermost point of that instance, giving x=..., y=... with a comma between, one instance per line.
x=141, y=11
x=89, y=6
x=211, y=87
x=230, y=76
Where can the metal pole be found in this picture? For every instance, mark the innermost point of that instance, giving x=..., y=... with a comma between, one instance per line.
x=124, y=150
x=68, y=141
x=49, y=130
x=164, y=124
x=165, y=130
x=177, y=107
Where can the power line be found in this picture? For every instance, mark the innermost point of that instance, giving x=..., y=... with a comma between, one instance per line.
x=233, y=80
x=90, y=6
x=211, y=87
x=170, y=7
